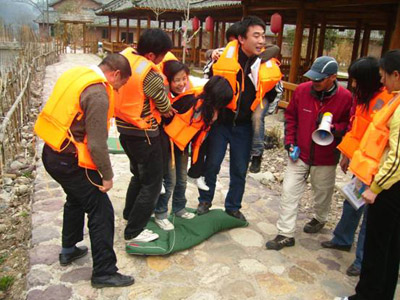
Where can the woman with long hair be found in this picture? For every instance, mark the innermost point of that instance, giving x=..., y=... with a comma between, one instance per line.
x=369, y=97
x=196, y=110
x=377, y=164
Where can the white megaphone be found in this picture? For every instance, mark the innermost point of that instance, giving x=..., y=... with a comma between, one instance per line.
x=323, y=136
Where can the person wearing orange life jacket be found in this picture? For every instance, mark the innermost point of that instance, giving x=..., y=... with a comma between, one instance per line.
x=87, y=95
x=250, y=80
x=380, y=265
x=369, y=97
x=196, y=110
x=138, y=109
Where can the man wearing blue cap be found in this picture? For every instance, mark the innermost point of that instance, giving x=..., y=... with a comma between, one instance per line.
x=310, y=101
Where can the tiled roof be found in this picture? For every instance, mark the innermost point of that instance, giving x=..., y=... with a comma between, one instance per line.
x=101, y=2
x=167, y=5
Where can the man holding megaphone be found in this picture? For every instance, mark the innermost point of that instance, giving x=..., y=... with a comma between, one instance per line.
x=315, y=121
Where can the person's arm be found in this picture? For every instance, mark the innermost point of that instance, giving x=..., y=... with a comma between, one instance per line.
x=340, y=127
x=389, y=172
x=153, y=88
x=94, y=103
x=291, y=120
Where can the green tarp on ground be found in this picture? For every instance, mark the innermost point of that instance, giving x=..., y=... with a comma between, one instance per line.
x=114, y=146
x=187, y=233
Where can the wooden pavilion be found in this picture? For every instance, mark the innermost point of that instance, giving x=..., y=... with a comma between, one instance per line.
x=317, y=16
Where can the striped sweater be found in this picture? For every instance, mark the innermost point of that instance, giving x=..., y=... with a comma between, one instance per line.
x=389, y=170
x=153, y=88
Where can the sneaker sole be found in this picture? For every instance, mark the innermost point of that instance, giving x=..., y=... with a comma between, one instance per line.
x=103, y=285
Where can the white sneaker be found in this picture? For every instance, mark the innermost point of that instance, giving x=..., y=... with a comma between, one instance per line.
x=201, y=184
x=162, y=192
x=341, y=298
x=144, y=237
x=164, y=224
x=187, y=215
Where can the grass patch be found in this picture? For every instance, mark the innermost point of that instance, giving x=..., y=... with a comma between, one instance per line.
x=24, y=214
x=3, y=258
x=6, y=282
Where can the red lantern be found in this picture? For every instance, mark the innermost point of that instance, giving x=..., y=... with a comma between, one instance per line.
x=209, y=24
x=276, y=23
x=195, y=23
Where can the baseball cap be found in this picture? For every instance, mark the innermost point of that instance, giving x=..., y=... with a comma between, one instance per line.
x=322, y=67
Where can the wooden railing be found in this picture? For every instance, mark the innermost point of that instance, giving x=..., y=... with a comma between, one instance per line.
x=15, y=87
x=113, y=47
x=288, y=89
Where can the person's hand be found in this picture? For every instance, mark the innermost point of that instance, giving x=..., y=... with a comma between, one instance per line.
x=215, y=55
x=107, y=185
x=170, y=113
x=369, y=196
x=344, y=164
x=289, y=148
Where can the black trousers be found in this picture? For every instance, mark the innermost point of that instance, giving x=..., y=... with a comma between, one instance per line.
x=197, y=170
x=380, y=266
x=146, y=165
x=83, y=197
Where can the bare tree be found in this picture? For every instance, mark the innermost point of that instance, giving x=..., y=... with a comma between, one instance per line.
x=186, y=39
x=158, y=11
x=42, y=6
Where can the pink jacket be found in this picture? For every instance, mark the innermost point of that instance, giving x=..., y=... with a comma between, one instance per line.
x=301, y=120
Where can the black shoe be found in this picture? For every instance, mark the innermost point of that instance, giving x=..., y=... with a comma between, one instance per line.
x=114, y=280
x=236, y=214
x=280, y=242
x=353, y=271
x=255, y=164
x=330, y=245
x=203, y=208
x=313, y=226
x=66, y=259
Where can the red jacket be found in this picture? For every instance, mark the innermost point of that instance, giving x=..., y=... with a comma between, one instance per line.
x=301, y=120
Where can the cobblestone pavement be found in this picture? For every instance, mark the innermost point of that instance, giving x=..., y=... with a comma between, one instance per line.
x=230, y=265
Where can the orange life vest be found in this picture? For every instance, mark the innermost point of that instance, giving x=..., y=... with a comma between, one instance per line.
x=189, y=90
x=54, y=121
x=366, y=159
x=167, y=57
x=130, y=98
x=184, y=127
x=360, y=122
x=228, y=67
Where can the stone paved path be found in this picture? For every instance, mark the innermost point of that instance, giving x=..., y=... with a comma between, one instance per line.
x=230, y=265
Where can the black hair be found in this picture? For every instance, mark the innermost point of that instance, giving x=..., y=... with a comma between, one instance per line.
x=116, y=61
x=232, y=31
x=248, y=22
x=217, y=93
x=154, y=40
x=390, y=61
x=365, y=71
x=172, y=67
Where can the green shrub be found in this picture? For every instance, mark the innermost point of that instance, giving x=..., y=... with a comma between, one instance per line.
x=6, y=282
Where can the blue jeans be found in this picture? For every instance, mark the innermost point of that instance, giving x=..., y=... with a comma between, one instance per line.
x=175, y=184
x=258, y=122
x=346, y=228
x=239, y=139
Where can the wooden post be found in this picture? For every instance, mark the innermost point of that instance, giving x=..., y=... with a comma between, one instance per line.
x=321, y=41
x=148, y=22
x=365, y=41
x=386, y=39
x=280, y=37
x=294, y=64
x=84, y=37
x=173, y=34
x=109, y=29
x=311, y=33
x=201, y=36
x=139, y=21
x=216, y=34
x=118, y=37
x=180, y=34
x=356, y=42
x=127, y=31
x=222, y=42
x=395, y=40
